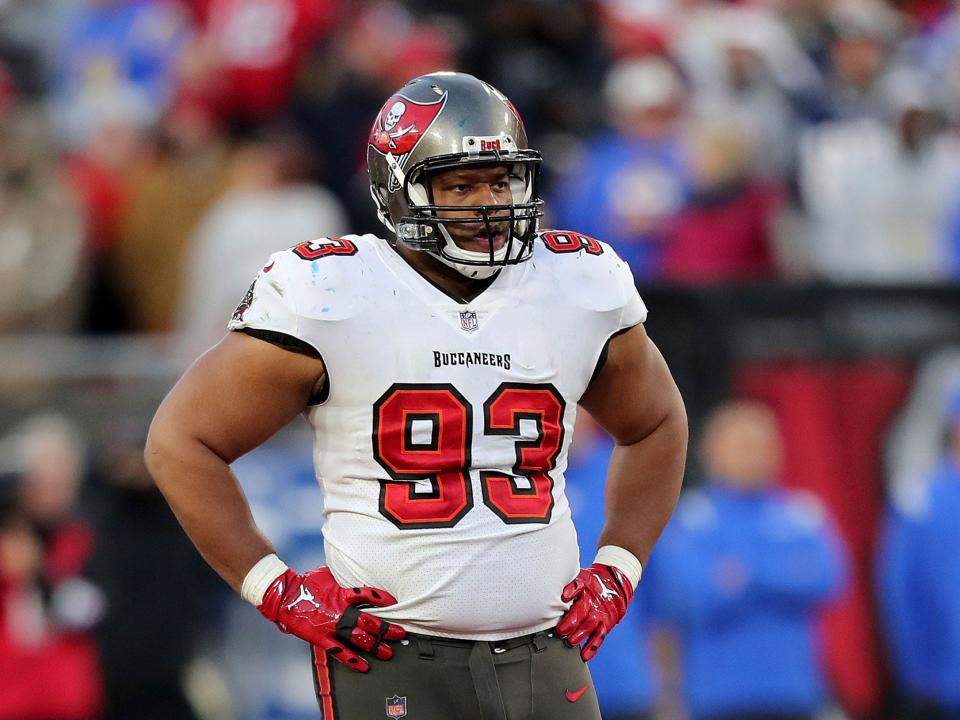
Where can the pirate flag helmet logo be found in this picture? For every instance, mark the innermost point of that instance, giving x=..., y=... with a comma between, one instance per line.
x=401, y=123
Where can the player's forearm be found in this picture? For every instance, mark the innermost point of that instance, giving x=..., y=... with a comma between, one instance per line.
x=209, y=503
x=643, y=485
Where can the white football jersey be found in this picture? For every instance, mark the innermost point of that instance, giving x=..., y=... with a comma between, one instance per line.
x=442, y=442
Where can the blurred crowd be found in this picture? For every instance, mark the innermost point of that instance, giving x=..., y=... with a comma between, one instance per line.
x=91, y=625
x=154, y=152
x=730, y=617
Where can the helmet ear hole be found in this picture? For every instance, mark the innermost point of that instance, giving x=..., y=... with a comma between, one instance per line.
x=418, y=193
x=377, y=193
x=519, y=189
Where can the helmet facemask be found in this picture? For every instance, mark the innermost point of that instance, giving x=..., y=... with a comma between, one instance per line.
x=425, y=225
x=445, y=121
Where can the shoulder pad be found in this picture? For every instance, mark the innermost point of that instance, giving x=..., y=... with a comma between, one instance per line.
x=589, y=273
x=329, y=278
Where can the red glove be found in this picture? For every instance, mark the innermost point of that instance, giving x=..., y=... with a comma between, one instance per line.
x=315, y=608
x=600, y=595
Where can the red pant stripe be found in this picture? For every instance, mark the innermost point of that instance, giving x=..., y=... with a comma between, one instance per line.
x=324, y=684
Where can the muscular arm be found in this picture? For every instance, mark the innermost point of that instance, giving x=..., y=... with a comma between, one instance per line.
x=635, y=399
x=230, y=401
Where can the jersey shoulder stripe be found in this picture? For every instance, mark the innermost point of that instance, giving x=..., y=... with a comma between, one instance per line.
x=324, y=279
x=329, y=279
x=590, y=274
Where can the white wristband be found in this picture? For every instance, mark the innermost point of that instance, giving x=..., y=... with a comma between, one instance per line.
x=260, y=576
x=624, y=560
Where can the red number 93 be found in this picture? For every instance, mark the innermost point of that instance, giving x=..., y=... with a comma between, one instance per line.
x=422, y=437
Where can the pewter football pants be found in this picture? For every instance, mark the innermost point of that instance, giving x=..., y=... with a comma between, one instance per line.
x=535, y=677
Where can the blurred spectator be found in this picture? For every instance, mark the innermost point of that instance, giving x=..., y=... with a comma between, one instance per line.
x=98, y=175
x=627, y=185
x=255, y=48
x=47, y=607
x=919, y=586
x=268, y=206
x=30, y=33
x=622, y=671
x=377, y=48
x=878, y=190
x=548, y=59
x=166, y=201
x=747, y=69
x=940, y=56
x=42, y=258
x=52, y=457
x=7, y=89
x=952, y=239
x=924, y=13
x=726, y=234
x=916, y=439
x=709, y=31
x=740, y=574
x=862, y=36
x=143, y=562
x=115, y=73
x=632, y=27
x=116, y=57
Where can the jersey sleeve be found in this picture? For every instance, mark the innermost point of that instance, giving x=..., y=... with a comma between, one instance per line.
x=269, y=302
x=634, y=310
x=301, y=291
x=591, y=275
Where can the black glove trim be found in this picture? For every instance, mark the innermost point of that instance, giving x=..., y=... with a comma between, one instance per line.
x=347, y=623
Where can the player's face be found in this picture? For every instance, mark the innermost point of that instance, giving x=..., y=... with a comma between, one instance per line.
x=470, y=188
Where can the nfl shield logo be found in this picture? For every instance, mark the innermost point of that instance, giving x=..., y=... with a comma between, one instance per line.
x=468, y=320
x=396, y=707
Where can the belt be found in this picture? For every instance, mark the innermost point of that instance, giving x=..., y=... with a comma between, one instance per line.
x=497, y=646
x=481, y=665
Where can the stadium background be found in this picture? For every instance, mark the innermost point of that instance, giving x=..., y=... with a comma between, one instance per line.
x=783, y=175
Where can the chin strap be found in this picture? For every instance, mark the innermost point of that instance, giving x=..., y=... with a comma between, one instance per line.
x=474, y=272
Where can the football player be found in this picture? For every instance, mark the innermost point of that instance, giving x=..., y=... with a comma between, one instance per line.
x=441, y=370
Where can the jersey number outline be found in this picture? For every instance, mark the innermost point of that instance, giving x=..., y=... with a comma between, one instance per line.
x=565, y=241
x=444, y=459
x=322, y=247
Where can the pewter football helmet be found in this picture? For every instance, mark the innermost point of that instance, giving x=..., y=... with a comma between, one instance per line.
x=452, y=120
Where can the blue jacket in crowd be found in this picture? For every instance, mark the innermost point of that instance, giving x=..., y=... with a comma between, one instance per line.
x=130, y=48
x=621, y=670
x=618, y=177
x=740, y=576
x=919, y=589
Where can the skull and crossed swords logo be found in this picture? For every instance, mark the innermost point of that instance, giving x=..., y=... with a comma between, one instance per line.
x=394, y=115
x=401, y=123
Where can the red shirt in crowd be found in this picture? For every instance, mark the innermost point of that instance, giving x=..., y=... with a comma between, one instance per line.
x=726, y=239
x=45, y=671
x=259, y=45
